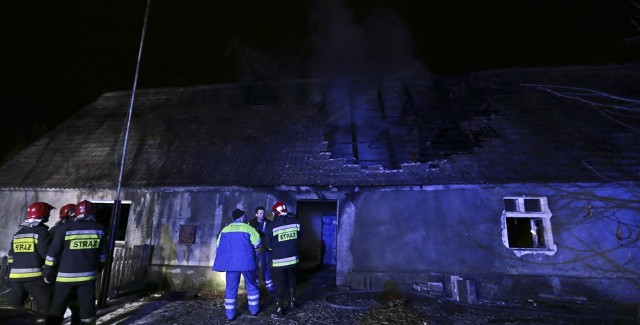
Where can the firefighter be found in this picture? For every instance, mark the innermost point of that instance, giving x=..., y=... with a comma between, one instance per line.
x=282, y=239
x=67, y=214
x=27, y=256
x=74, y=260
x=235, y=255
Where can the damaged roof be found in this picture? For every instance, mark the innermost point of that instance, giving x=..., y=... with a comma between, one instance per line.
x=491, y=127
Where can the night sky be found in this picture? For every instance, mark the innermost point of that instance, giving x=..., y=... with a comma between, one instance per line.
x=59, y=56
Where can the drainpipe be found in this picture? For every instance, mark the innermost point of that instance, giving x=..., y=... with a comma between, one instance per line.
x=106, y=272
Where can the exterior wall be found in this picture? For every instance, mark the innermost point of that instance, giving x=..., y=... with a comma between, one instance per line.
x=404, y=235
x=13, y=207
x=426, y=234
x=155, y=218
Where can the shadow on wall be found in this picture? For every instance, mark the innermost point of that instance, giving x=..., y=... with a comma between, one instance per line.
x=167, y=251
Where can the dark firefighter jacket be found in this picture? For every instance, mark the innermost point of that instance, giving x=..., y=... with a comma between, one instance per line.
x=58, y=225
x=235, y=248
x=77, y=252
x=27, y=253
x=261, y=227
x=282, y=239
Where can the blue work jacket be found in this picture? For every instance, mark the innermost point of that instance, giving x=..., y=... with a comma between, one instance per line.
x=235, y=248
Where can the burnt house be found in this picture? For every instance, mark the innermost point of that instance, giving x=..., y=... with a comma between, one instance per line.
x=487, y=183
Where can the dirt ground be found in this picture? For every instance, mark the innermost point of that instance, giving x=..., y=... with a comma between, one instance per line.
x=350, y=309
x=320, y=302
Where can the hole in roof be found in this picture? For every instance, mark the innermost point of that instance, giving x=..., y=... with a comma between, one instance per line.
x=399, y=123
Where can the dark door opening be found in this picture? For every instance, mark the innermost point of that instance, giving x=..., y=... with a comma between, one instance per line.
x=103, y=214
x=329, y=239
x=318, y=222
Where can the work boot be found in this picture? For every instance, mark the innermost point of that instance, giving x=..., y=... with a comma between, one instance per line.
x=292, y=298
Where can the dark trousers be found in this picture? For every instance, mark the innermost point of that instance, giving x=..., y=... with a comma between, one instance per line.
x=74, y=306
x=284, y=280
x=65, y=294
x=37, y=288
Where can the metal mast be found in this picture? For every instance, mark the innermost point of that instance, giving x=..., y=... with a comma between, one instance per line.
x=106, y=273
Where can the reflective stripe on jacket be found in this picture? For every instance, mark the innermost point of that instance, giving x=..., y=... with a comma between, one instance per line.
x=26, y=255
x=235, y=248
x=76, y=277
x=283, y=239
x=77, y=252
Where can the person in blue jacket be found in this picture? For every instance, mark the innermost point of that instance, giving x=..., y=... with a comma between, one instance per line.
x=236, y=255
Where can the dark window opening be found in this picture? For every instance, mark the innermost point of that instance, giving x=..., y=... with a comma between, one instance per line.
x=103, y=214
x=525, y=233
x=510, y=205
x=532, y=205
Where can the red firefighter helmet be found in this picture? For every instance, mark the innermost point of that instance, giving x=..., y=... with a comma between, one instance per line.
x=279, y=208
x=39, y=211
x=66, y=210
x=85, y=207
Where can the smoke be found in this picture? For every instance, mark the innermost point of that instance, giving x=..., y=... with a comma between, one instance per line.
x=380, y=46
x=368, y=63
x=256, y=65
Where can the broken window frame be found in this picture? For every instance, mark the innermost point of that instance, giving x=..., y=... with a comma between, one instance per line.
x=535, y=210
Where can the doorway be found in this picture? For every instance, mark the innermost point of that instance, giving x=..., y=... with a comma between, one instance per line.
x=104, y=210
x=318, y=222
x=316, y=273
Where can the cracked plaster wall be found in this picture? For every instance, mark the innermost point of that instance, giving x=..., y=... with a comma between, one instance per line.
x=414, y=234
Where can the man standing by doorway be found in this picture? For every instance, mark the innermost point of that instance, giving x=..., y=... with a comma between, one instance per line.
x=282, y=239
x=261, y=224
